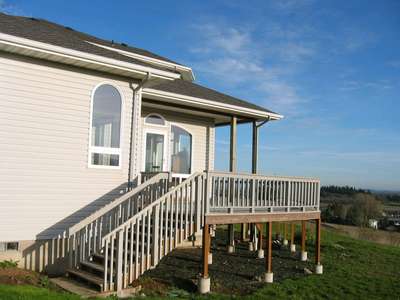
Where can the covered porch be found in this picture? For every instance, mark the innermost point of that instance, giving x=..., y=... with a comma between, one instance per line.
x=252, y=200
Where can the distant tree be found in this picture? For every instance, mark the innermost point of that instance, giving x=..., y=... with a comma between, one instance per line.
x=364, y=208
x=356, y=210
x=344, y=190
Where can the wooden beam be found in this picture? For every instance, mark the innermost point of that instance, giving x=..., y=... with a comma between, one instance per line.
x=206, y=249
x=261, y=217
x=292, y=233
x=318, y=241
x=260, y=235
x=303, y=236
x=269, y=247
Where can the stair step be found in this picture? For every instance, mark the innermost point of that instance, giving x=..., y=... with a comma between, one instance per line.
x=93, y=265
x=89, y=277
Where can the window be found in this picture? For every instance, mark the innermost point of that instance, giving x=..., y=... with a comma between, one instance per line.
x=181, y=155
x=155, y=120
x=105, y=144
x=8, y=246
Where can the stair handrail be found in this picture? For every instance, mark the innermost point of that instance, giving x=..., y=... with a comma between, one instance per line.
x=85, y=237
x=189, y=195
x=105, y=209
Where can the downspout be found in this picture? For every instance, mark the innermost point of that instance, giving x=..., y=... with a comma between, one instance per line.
x=133, y=135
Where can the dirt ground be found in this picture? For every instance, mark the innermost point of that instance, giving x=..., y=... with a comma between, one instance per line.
x=236, y=273
x=18, y=276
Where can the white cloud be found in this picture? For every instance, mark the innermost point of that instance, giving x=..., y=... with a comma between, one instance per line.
x=10, y=9
x=239, y=58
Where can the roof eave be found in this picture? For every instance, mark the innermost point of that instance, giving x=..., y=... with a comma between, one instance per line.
x=27, y=47
x=212, y=105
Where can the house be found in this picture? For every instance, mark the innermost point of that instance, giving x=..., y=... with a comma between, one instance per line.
x=108, y=159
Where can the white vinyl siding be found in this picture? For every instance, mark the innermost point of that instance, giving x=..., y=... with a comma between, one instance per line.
x=44, y=138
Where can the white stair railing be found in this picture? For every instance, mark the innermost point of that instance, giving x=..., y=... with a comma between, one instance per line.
x=139, y=243
x=85, y=237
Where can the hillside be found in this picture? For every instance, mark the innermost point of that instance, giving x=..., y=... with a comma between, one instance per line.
x=353, y=269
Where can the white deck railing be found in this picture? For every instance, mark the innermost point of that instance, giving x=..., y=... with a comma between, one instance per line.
x=249, y=193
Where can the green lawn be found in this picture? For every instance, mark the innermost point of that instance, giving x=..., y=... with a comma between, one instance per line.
x=353, y=269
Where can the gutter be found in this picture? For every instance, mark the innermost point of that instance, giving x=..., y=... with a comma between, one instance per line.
x=146, y=80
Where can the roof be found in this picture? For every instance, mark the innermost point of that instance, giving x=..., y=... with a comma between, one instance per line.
x=191, y=89
x=54, y=34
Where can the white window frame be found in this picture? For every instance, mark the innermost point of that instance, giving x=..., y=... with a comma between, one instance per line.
x=157, y=125
x=106, y=150
x=161, y=131
x=182, y=175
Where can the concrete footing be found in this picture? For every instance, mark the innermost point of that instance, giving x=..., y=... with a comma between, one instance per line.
x=269, y=277
x=210, y=258
x=260, y=253
x=251, y=246
x=285, y=242
x=204, y=285
x=303, y=256
x=319, y=269
x=231, y=249
x=292, y=248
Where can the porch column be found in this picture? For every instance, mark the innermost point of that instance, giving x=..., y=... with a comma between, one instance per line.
x=318, y=267
x=232, y=168
x=254, y=169
x=204, y=280
x=292, y=236
x=303, y=241
x=268, y=275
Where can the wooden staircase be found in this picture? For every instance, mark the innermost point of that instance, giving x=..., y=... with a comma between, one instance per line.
x=109, y=260
x=113, y=247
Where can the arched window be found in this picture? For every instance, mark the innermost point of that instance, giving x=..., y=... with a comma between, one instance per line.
x=155, y=120
x=181, y=154
x=105, y=144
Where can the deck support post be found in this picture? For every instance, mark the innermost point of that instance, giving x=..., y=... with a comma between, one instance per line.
x=303, y=256
x=292, y=236
x=268, y=275
x=231, y=239
x=204, y=280
x=260, y=252
x=318, y=267
x=285, y=231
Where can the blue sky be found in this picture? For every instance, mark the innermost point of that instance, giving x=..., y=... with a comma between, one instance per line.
x=331, y=67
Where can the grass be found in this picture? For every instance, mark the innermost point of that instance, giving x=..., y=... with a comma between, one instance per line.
x=353, y=269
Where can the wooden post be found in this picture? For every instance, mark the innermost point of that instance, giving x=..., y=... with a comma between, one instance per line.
x=254, y=166
x=268, y=276
x=318, y=241
x=303, y=236
x=232, y=168
x=206, y=249
x=292, y=237
x=119, y=270
x=269, y=247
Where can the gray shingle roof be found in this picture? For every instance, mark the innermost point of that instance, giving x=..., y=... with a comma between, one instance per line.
x=182, y=87
x=58, y=35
